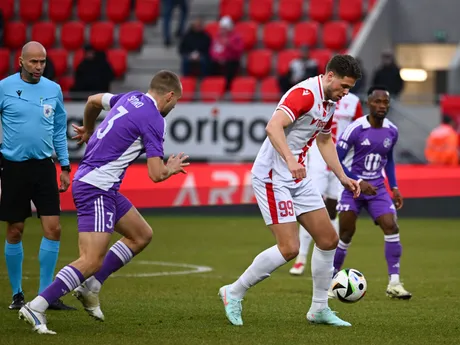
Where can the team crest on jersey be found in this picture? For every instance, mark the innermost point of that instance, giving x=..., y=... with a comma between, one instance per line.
x=387, y=142
x=47, y=110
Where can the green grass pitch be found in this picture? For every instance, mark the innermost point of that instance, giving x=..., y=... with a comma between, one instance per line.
x=153, y=301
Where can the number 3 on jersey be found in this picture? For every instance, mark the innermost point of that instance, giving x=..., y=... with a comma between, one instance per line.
x=121, y=112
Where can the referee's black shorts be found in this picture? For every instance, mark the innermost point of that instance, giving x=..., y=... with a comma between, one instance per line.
x=21, y=182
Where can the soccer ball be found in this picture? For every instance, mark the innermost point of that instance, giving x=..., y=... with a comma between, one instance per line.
x=349, y=285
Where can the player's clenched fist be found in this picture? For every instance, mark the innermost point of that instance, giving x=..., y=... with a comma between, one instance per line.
x=297, y=170
x=351, y=185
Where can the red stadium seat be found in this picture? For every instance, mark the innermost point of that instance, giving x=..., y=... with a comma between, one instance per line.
x=15, y=34
x=320, y=10
x=243, y=89
x=118, y=58
x=290, y=10
x=270, y=90
x=188, y=88
x=131, y=35
x=66, y=83
x=30, y=10
x=17, y=54
x=73, y=35
x=212, y=89
x=89, y=10
x=371, y=4
x=147, y=11
x=306, y=34
x=59, y=58
x=78, y=57
x=232, y=8
x=4, y=61
x=248, y=32
x=356, y=28
x=350, y=10
x=7, y=7
x=322, y=57
x=450, y=105
x=261, y=11
x=335, y=35
x=60, y=10
x=118, y=11
x=284, y=59
x=211, y=28
x=44, y=32
x=101, y=35
x=259, y=62
x=275, y=35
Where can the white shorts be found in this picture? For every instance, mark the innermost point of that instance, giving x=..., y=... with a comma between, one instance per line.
x=283, y=203
x=327, y=183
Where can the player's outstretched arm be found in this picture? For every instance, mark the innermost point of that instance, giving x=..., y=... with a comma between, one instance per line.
x=275, y=132
x=159, y=171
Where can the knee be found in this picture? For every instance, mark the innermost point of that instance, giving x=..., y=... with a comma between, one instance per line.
x=14, y=232
x=289, y=250
x=52, y=231
x=390, y=228
x=147, y=235
x=328, y=242
x=346, y=235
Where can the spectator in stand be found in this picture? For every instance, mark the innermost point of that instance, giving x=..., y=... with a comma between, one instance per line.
x=299, y=69
x=388, y=75
x=194, y=49
x=93, y=75
x=358, y=89
x=442, y=143
x=226, y=50
x=167, y=8
x=49, y=71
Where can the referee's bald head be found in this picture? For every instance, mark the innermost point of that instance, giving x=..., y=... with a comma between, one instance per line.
x=32, y=61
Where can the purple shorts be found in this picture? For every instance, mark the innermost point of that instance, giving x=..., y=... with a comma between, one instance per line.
x=376, y=205
x=98, y=210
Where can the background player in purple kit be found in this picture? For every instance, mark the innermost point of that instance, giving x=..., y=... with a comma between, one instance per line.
x=365, y=149
x=134, y=125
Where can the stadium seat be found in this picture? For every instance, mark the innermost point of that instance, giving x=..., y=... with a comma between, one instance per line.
x=4, y=61
x=60, y=10
x=44, y=32
x=290, y=10
x=118, y=58
x=73, y=35
x=275, y=35
x=335, y=35
x=188, y=88
x=131, y=35
x=7, y=7
x=248, y=32
x=147, y=11
x=17, y=54
x=66, y=83
x=320, y=10
x=356, y=28
x=350, y=10
x=322, y=57
x=101, y=35
x=89, y=10
x=15, y=34
x=284, y=59
x=232, y=8
x=78, y=56
x=371, y=4
x=450, y=105
x=59, y=58
x=270, y=90
x=259, y=63
x=118, y=11
x=30, y=10
x=243, y=89
x=261, y=11
x=212, y=88
x=306, y=33
x=212, y=28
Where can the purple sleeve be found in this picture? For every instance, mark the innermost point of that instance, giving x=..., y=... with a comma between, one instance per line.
x=114, y=99
x=153, y=134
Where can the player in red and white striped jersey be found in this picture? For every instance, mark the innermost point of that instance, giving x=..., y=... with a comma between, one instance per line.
x=285, y=193
x=347, y=110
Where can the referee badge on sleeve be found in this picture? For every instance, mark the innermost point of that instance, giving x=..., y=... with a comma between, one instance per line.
x=47, y=110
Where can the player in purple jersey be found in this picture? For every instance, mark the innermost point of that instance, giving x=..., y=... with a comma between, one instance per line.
x=366, y=149
x=134, y=125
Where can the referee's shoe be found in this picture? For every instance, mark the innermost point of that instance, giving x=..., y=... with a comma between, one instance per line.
x=19, y=302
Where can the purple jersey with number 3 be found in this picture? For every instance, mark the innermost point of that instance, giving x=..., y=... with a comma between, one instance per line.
x=133, y=126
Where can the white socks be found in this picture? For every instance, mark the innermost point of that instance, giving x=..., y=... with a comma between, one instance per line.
x=262, y=266
x=321, y=271
x=305, y=241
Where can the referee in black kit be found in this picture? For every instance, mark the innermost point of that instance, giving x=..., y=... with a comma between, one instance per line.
x=34, y=125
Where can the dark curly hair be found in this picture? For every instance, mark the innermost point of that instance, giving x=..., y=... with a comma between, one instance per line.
x=344, y=66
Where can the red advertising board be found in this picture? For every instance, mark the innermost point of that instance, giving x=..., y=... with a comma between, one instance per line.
x=221, y=184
